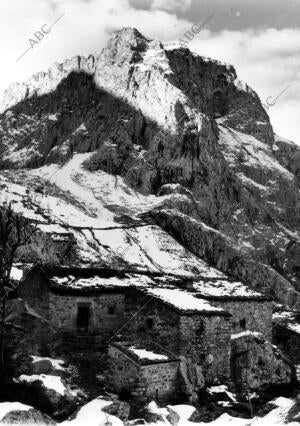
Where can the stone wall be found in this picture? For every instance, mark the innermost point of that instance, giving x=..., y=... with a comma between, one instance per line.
x=288, y=341
x=206, y=341
x=195, y=337
x=257, y=316
x=144, y=382
x=34, y=291
x=103, y=322
x=151, y=320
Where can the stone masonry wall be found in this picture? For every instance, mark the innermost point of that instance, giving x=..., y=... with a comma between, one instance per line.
x=124, y=371
x=288, y=341
x=151, y=320
x=35, y=292
x=206, y=341
x=159, y=381
x=143, y=381
x=194, y=337
x=63, y=313
x=257, y=316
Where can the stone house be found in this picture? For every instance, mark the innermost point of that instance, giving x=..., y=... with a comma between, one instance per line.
x=250, y=310
x=144, y=370
x=190, y=319
x=85, y=305
x=186, y=326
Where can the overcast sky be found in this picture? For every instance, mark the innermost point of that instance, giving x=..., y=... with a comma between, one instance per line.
x=261, y=38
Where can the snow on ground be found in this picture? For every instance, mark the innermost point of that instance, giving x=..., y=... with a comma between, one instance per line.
x=52, y=117
x=287, y=141
x=145, y=354
x=287, y=319
x=8, y=407
x=221, y=389
x=101, y=237
x=56, y=363
x=16, y=273
x=98, y=191
x=256, y=154
x=91, y=414
x=277, y=416
x=50, y=382
x=251, y=183
x=155, y=57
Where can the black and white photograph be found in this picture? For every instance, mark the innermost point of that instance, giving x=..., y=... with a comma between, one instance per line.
x=150, y=212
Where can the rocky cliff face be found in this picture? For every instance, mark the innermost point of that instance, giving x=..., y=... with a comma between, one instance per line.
x=152, y=145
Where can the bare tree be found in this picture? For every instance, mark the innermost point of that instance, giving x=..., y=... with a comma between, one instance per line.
x=15, y=232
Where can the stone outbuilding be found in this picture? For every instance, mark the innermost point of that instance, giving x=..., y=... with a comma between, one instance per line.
x=144, y=370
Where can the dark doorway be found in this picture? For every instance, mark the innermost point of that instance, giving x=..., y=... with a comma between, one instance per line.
x=83, y=318
x=243, y=324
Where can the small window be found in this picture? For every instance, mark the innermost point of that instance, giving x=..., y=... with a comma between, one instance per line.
x=243, y=324
x=200, y=329
x=111, y=310
x=149, y=323
x=83, y=318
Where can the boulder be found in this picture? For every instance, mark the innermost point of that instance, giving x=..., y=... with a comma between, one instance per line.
x=17, y=413
x=173, y=417
x=45, y=365
x=48, y=393
x=257, y=364
x=154, y=413
x=117, y=408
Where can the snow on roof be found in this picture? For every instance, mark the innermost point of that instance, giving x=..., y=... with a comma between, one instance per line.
x=246, y=333
x=96, y=282
x=184, y=301
x=287, y=319
x=146, y=354
x=216, y=289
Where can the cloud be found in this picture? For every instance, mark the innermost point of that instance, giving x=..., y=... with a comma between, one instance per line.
x=168, y=5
